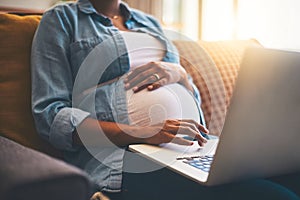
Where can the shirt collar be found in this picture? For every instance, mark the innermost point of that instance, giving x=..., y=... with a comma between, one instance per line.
x=87, y=7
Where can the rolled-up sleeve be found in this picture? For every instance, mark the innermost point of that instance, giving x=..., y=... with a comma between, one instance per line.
x=63, y=125
x=52, y=82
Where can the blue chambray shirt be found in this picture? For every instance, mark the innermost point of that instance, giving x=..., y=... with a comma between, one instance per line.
x=67, y=34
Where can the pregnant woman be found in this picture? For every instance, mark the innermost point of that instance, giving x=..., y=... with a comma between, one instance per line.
x=142, y=96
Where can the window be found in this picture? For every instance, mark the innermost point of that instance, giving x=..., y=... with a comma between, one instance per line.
x=274, y=23
x=218, y=20
x=182, y=16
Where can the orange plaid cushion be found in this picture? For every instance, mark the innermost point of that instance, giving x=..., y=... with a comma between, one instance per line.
x=214, y=67
x=16, y=122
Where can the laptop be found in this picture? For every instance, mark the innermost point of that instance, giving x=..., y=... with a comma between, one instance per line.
x=261, y=133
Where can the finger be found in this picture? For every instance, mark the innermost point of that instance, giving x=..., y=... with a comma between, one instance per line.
x=192, y=129
x=137, y=89
x=158, y=84
x=178, y=127
x=139, y=71
x=145, y=77
x=198, y=134
x=145, y=83
x=142, y=79
x=181, y=141
x=175, y=125
x=200, y=127
x=201, y=140
x=201, y=144
x=167, y=138
x=185, y=128
x=198, y=137
x=136, y=72
x=154, y=86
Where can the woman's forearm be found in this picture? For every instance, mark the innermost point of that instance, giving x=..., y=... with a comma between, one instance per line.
x=92, y=132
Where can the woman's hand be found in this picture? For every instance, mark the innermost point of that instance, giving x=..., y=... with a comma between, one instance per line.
x=167, y=131
x=123, y=134
x=156, y=74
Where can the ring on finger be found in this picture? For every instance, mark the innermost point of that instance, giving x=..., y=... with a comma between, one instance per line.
x=156, y=76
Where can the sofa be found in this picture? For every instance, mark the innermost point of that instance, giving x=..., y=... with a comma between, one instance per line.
x=31, y=168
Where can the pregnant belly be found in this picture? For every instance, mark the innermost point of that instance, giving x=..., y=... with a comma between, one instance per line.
x=169, y=102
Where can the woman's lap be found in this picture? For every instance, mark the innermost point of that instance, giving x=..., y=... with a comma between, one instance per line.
x=291, y=181
x=164, y=184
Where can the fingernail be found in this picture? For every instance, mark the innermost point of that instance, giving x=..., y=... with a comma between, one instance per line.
x=150, y=87
x=135, y=89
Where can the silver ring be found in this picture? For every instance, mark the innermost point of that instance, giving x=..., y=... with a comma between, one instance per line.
x=156, y=76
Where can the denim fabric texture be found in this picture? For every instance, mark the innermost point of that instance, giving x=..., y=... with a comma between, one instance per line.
x=67, y=34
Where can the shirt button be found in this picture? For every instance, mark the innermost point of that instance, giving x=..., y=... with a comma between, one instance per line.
x=107, y=22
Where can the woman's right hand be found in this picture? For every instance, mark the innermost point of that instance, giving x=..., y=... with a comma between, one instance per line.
x=168, y=131
x=123, y=134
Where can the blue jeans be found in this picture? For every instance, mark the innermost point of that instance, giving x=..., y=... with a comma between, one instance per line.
x=164, y=184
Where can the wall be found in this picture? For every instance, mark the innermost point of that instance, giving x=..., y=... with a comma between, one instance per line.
x=153, y=7
x=27, y=4
x=273, y=22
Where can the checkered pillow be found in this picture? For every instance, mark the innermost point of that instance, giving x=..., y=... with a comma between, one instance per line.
x=214, y=67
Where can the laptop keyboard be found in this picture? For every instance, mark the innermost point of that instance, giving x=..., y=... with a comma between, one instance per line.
x=200, y=162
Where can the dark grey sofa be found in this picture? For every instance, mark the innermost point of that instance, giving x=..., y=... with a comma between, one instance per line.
x=26, y=174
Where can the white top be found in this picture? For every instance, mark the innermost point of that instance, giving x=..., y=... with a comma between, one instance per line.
x=142, y=48
x=169, y=102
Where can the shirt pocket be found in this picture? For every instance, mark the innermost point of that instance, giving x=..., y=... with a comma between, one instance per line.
x=80, y=49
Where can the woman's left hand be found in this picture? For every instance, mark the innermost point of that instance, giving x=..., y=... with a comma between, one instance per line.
x=156, y=74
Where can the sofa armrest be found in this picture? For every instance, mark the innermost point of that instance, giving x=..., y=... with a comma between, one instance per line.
x=28, y=174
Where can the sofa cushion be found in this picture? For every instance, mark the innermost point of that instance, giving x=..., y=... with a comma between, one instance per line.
x=214, y=67
x=28, y=174
x=16, y=121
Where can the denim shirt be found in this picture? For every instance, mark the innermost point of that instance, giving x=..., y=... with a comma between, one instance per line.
x=67, y=34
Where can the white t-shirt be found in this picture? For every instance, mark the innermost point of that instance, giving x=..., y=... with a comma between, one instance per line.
x=172, y=101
